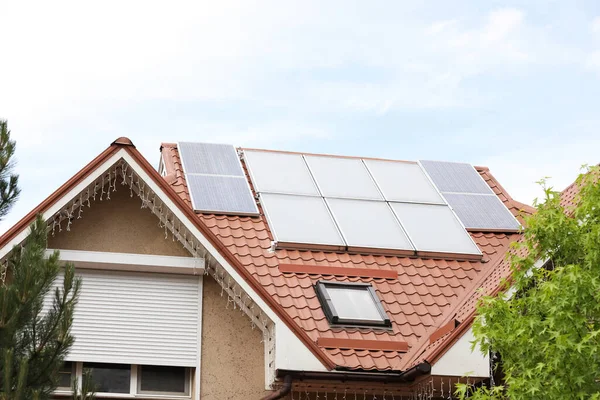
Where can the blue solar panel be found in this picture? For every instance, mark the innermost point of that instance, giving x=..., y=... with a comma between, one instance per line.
x=455, y=177
x=210, y=158
x=216, y=179
x=473, y=201
x=482, y=211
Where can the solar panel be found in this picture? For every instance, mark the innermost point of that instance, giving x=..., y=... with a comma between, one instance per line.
x=210, y=158
x=434, y=228
x=215, y=179
x=221, y=194
x=300, y=219
x=403, y=181
x=455, y=177
x=368, y=224
x=279, y=173
x=343, y=177
x=482, y=211
x=470, y=197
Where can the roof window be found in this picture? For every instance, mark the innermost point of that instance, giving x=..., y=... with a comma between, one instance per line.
x=351, y=304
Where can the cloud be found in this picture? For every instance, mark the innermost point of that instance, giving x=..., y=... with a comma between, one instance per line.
x=518, y=168
x=593, y=60
x=595, y=25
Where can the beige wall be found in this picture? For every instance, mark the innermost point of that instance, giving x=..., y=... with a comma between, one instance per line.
x=232, y=352
x=117, y=225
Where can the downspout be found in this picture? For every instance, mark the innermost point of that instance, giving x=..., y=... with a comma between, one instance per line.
x=284, y=390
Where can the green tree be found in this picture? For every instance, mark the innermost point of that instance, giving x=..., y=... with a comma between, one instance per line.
x=9, y=189
x=33, y=340
x=546, y=324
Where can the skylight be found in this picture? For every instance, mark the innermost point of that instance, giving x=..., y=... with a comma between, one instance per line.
x=351, y=304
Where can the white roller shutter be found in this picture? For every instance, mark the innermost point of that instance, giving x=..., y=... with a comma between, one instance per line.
x=136, y=318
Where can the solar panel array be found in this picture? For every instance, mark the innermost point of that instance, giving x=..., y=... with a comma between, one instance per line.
x=470, y=197
x=216, y=179
x=355, y=204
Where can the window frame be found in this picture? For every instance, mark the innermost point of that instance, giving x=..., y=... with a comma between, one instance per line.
x=139, y=376
x=71, y=376
x=134, y=387
x=331, y=313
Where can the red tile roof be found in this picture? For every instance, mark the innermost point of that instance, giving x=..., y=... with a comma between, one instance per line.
x=427, y=293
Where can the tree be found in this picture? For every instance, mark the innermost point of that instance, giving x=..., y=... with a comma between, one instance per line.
x=33, y=339
x=546, y=324
x=9, y=190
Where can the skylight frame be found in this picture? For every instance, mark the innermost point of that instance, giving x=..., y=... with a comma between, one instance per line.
x=333, y=316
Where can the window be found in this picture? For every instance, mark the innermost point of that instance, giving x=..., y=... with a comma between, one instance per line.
x=129, y=380
x=163, y=380
x=351, y=304
x=65, y=375
x=110, y=378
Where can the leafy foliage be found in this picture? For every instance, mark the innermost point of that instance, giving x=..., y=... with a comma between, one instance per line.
x=547, y=325
x=33, y=341
x=9, y=190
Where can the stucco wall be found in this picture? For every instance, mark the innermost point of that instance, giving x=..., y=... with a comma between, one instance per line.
x=117, y=225
x=232, y=352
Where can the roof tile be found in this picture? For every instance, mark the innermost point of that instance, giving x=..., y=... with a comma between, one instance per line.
x=418, y=302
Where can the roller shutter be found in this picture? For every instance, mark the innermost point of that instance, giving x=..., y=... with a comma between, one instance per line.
x=136, y=318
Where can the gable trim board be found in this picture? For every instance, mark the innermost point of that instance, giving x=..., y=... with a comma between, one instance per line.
x=131, y=262
x=300, y=352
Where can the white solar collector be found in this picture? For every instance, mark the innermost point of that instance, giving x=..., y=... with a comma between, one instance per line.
x=369, y=224
x=403, y=181
x=434, y=229
x=301, y=220
x=343, y=178
x=285, y=173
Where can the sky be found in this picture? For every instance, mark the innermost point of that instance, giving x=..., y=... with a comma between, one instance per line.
x=512, y=85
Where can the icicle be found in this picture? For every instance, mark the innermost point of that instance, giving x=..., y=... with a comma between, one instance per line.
x=53, y=225
x=102, y=187
x=115, y=181
x=166, y=222
x=124, y=174
x=80, y=207
x=131, y=184
x=109, y=186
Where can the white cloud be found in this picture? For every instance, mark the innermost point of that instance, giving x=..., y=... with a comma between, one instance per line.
x=519, y=167
x=593, y=60
x=73, y=74
x=595, y=26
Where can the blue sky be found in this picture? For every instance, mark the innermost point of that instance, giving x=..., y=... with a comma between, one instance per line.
x=511, y=85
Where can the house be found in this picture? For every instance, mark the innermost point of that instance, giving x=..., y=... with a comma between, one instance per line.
x=242, y=273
